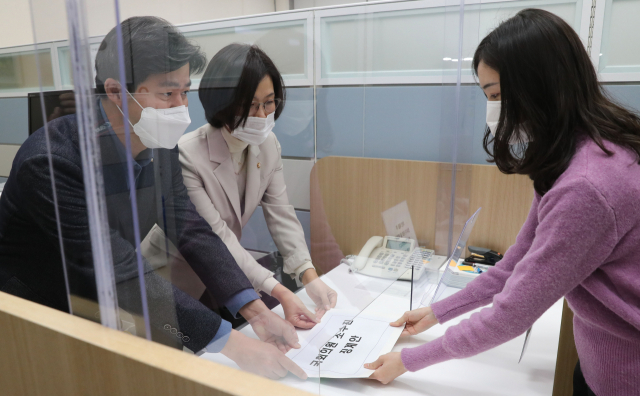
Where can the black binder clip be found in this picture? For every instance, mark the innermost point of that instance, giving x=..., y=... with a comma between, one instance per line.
x=482, y=256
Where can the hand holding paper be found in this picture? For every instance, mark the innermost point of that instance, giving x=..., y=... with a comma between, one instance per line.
x=259, y=358
x=295, y=312
x=271, y=329
x=340, y=345
x=387, y=368
x=322, y=295
x=416, y=321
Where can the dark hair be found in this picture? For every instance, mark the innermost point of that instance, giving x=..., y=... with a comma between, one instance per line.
x=230, y=82
x=151, y=45
x=550, y=90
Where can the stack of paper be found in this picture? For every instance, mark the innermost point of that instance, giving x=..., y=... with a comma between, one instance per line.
x=455, y=277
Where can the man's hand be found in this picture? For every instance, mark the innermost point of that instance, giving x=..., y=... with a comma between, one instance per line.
x=259, y=358
x=416, y=321
x=387, y=368
x=270, y=327
x=294, y=310
x=322, y=295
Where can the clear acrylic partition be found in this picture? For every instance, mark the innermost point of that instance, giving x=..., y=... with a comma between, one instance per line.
x=66, y=199
x=386, y=134
x=367, y=177
x=395, y=82
x=453, y=279
x=169, y=235
x=104, y=207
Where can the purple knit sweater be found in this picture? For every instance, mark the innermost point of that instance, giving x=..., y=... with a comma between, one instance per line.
x=581, y=240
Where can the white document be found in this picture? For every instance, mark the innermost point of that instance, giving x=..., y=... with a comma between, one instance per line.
x=397, y=221
x=342, y=343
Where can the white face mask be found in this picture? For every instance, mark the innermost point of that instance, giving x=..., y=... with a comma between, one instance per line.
x=161, y=128
x=493, y=117
x=255, y=130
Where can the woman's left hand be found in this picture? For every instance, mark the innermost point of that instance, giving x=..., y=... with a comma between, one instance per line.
x=295, y=312
x=387, y=368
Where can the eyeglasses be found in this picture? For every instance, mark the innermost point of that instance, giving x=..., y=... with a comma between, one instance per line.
x=269, y=107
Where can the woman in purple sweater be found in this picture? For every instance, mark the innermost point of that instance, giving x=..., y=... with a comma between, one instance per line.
x=581, y=239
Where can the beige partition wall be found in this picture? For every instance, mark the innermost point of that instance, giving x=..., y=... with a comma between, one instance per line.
x=47, y=352
x=355, y=191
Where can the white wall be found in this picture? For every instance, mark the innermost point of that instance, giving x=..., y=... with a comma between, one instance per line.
x=15, y=23
x=51, y=23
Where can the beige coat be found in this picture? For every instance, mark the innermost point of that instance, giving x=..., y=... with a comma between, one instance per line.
x=210, y=179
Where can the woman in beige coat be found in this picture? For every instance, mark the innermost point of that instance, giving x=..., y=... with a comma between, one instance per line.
x=233, y=164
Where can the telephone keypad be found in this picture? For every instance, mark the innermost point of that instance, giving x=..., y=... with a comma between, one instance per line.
x=393, y=261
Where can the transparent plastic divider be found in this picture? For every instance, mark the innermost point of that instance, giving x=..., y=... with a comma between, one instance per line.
x=76, y=204
x=224, y=176
x=129, y=197
x=46, y=115
x=150, y=298
x=453, y=279
x=382, y=281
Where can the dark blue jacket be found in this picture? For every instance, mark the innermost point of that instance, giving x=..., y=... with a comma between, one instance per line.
x=31, y=263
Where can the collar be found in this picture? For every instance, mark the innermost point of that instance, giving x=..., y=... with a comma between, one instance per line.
x=218, y=149
x=105, y=130
x=235, y=145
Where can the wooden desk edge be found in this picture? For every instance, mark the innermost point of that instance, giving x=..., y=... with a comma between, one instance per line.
x=104, y=360
x=567, y=355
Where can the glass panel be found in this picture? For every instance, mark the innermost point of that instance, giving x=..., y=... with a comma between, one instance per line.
x=19, y=71
x=401, y=40
x=407, y=43
x=64, y=62
x=381, y=211
x=618, y=54
x=480, y=19
x=285, y=42
x=178, y=235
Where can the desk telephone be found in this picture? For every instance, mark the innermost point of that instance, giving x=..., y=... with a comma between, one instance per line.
x=392, y=257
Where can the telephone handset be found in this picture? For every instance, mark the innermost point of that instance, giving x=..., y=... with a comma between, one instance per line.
x=392, y=257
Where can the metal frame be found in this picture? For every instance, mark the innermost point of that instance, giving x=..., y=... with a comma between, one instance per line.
x=585, y=24
x=598, y=31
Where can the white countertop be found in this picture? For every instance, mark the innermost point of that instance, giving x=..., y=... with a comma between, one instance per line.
x=494, y=372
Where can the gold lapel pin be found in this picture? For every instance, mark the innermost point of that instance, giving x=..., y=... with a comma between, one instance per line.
x=258, y=165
